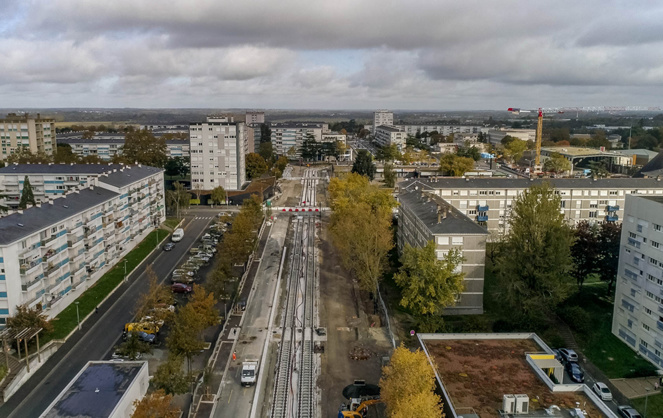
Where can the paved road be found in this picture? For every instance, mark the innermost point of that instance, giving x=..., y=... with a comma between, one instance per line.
x=98, y=334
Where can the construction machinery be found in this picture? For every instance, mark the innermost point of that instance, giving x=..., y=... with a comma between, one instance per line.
x=358, y=407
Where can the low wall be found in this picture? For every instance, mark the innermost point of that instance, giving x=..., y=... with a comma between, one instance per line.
x=45, y=352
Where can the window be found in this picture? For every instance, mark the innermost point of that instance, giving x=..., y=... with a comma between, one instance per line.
x=655, y=244
x=457, y=240
x=442, y=240
x=593, y=214
x=648, y=311
x=657, y=227
x=644, y=344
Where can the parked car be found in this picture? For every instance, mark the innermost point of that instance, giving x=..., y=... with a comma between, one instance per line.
x=558, y=356
x=575, y=372
x=602, y=391
x=628, y=412
x=568, y=355
x=148, y=338
x=180, y=288
x=169, y=246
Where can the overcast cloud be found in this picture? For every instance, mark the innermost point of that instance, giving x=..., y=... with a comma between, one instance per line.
x=351, y=54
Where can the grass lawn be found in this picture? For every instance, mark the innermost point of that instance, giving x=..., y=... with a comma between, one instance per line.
x=66, y=321
x=654, y=406
x=172, y=222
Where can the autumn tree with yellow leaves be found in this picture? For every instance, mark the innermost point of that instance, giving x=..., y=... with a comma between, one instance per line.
x=155, y=405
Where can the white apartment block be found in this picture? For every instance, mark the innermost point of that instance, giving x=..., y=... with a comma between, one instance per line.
x=35, y=134
x=423, y=217
x=217, y=149
x=51, y=253
x=638, y=311
x=495, y=136
x=334, y=137
x=382, y=117
x=445, y=130
x=489, y=201
x=287, y=138
x=386, y=135
x=107, y=146
x=255, y=118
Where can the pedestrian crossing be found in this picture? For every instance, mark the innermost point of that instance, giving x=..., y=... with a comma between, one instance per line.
x=204, y=217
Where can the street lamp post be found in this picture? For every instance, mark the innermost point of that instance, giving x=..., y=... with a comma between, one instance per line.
x=125, y=271
x=78, y=317
x=646, y=399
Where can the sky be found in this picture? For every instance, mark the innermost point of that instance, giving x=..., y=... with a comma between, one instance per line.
x=340, y=54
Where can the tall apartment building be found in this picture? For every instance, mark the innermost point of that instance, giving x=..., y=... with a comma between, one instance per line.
x=255, y=118
x=488, y=201
x=217, y=154
x=382, y=117
x=638, y=311
x=387, y=135
x=35, y=134
x=423, y=217
x=287, y=138
x=51, y=253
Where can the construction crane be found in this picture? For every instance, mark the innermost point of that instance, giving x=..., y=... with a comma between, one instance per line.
x=539, y=133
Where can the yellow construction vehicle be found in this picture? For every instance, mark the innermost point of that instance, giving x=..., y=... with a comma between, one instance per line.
x=358, y=407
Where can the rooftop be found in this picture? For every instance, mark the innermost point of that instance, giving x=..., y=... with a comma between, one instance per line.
x=581, y=152
x=521, y=183
x=129, y=174
x=114, y=139
x=425, y=206
x=389, y=128
x=96, y=391
x=58, y=168
x=20, y=225
x=657, y=199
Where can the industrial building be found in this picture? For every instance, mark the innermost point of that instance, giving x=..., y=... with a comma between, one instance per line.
x=34, y=134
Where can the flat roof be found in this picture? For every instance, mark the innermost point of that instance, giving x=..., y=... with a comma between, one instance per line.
x=20, y=225
x=389, y=128
x=582, y=152
x=521, y=183
x=425, y=206
x=657, y=199
x=58, y=168
x=477, y=371
x=107, y=140
x=129, y=174
x=96, y=391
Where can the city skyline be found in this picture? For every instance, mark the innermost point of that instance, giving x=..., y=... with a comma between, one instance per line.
x=293, y=55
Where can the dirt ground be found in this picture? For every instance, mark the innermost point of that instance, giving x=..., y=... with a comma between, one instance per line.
x=348, y=327
x=477, y=373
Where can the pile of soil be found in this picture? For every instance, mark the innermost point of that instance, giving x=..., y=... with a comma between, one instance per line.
x=360, y=353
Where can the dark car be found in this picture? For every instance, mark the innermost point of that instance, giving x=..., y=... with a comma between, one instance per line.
x=148, y=338
x=180, y=288
x=628, y=412
x=575, y=373
x=169, y=246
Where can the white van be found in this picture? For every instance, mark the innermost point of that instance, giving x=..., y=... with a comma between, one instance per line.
x=177, y=235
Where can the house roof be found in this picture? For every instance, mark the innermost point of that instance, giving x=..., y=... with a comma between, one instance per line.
x=58, y=168
x=17, y=226
x=425, y=206
x=653, y=168
x=128, y=175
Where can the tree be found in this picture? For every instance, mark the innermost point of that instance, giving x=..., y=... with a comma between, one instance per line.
x=453, y=165
x=255, y=165
x=265, y=133
x=170, y=377
x=219, y=195
x=27, y=196
x=133, y=346
x=143, y=147
x=469, y=152
x=177, y=166
x=360, y=226
x=429, y=285
x=266, y=150
x=155, y=405
x=388, y=153
x=363, y=164
x=585, y=251
x=64, y=155
x=389, y=175
x=514, y=148
x=557, y=163
x=407, y=386
x=609, y=236
x=178, y=198
x=155, y=302
x=310, y=148
x=598, y=169
x=534, y=263
x=26, y=317
x=281, y=163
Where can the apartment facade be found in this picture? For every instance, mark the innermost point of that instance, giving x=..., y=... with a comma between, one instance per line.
x=35, y=134
x=217, y=150
x=387, y=135
x=638, y=310
x=287, y=138
x=489, y=201
x=107, y=146
x=255, y=118
x=422, y=217
x=51, y=253
x=443, y=129
x=382, y=117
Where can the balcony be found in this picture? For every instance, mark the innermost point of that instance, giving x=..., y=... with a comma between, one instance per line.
x=633, y=242
x=48, y=240
x=613, y=218
x=659, y=325
x=52, y=268
x=482, y=218
x=29, y=249
x=74, y=242
x=49, y=254
x=612, y=208
x=483, y=208
x=28, y=267
x=31, y=284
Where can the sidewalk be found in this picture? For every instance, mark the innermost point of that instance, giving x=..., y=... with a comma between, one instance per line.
x=638, y=387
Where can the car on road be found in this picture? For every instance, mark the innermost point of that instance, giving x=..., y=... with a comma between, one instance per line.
x=169, y=246
x=602, y=391
x=575, y=372
x=568, y=355
x=180, y=288
x=628, y=412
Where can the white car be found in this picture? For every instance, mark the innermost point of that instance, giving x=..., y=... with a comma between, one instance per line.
x=602, y=391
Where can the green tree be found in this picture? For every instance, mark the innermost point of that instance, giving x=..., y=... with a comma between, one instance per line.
x=133, y=346
x=407, y=386
x=27, y=196
x=310, y=148
x=453, y=165
x=534, y=264
x=178, y=198
x=266, y=150
x=388, y=153
x=514, y=148
x=265, y=133
x=177, y=166
x=64, y=155
x=557, y=163
x=389, y=175
x=429, y=285
x=281, y=163
x=170, y=377
x=26, y=317
x=363, y=164
x=155, y=302
x=255, y=165
x=143, y=147
x=469, y=151
x=219, y=195
x=609, y=236
x=155, y=405
x=585, y=251
x=598, y=169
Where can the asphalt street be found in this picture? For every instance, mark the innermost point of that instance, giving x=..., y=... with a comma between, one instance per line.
x=99, y=333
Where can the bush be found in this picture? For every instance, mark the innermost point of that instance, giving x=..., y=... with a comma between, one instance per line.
x=642, y=370
x=430, y=323
x=577, y=318
x=469, y=323
x=502, y=325
x=552, y=338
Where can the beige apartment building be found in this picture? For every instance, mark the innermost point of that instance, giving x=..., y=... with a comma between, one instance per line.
x=422, y=217
x=35, y=134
